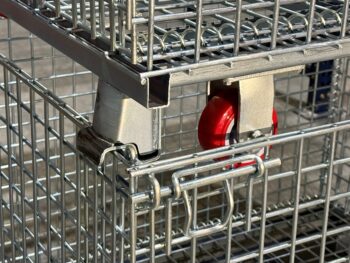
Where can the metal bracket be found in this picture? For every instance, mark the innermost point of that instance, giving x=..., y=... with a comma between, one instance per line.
x=255, y=101
x=120, y=118
x=120, y=124
x=256, y=96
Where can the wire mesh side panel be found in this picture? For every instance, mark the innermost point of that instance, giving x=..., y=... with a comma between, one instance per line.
x=68, y=80
x=288, y=213
x=342, y=172
x=54, y=204
x=305, y=209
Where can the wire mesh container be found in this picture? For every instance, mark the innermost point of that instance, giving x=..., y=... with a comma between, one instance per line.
x=291, y=205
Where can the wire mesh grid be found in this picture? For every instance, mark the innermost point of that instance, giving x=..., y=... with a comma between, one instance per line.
x=178, y=34
x=58, y=206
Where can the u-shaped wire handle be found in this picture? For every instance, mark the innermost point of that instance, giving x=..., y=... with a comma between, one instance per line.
x=177, y=177
x=212, y=229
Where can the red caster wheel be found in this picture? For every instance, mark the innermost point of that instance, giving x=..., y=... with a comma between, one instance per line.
x=2, y=16
x=216, y=126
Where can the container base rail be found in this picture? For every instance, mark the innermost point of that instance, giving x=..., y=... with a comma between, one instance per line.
x=227, y=204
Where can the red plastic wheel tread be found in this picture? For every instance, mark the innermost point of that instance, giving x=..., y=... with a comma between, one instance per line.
x=216, y=124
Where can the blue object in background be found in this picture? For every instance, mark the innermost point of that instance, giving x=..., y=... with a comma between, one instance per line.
x=320, y=91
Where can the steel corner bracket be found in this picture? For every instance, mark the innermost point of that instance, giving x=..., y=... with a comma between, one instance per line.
x=120, y=121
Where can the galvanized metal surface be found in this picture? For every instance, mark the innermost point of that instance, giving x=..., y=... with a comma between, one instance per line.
x=123, y=120
x=144, y=48
x=57, y=205
x=256, y=97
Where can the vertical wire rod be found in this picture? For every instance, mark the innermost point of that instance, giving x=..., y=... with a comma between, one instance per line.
x=92, y=19
x=86, y=210
x=276, y=14
x=122, y=227
x=95, y=218
x=9, y=161
x=344, y=19
x=194, y=220
x=129, y=14
x=35, y=173
x=103, y=208
x=114, y=211
x=263, y=212
x=152, y=233
x=310, y=20
x=327, y=197
x=78, y=200
x=121, y=26
x=168, y=227
x=21, y=162
x=151, y=7
x=2, y=223
x=199, y=19
x=133, y=223
x=74, y=14
x=296, y=202
x=237, y=27
x=83, y=11
x=62, y=185
x=47, y=174
x=229, y=232
x=112, y=26
x=58, y=8
x=249, y=203
x=102, y=24
x=133, y=33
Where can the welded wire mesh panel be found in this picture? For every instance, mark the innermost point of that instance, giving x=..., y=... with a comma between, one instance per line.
x=52, y=207
x=299, y=194
x=177, y=33
x=53, y=204
x=56, y=205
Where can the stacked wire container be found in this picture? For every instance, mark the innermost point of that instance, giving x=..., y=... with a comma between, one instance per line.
x=59, y=205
